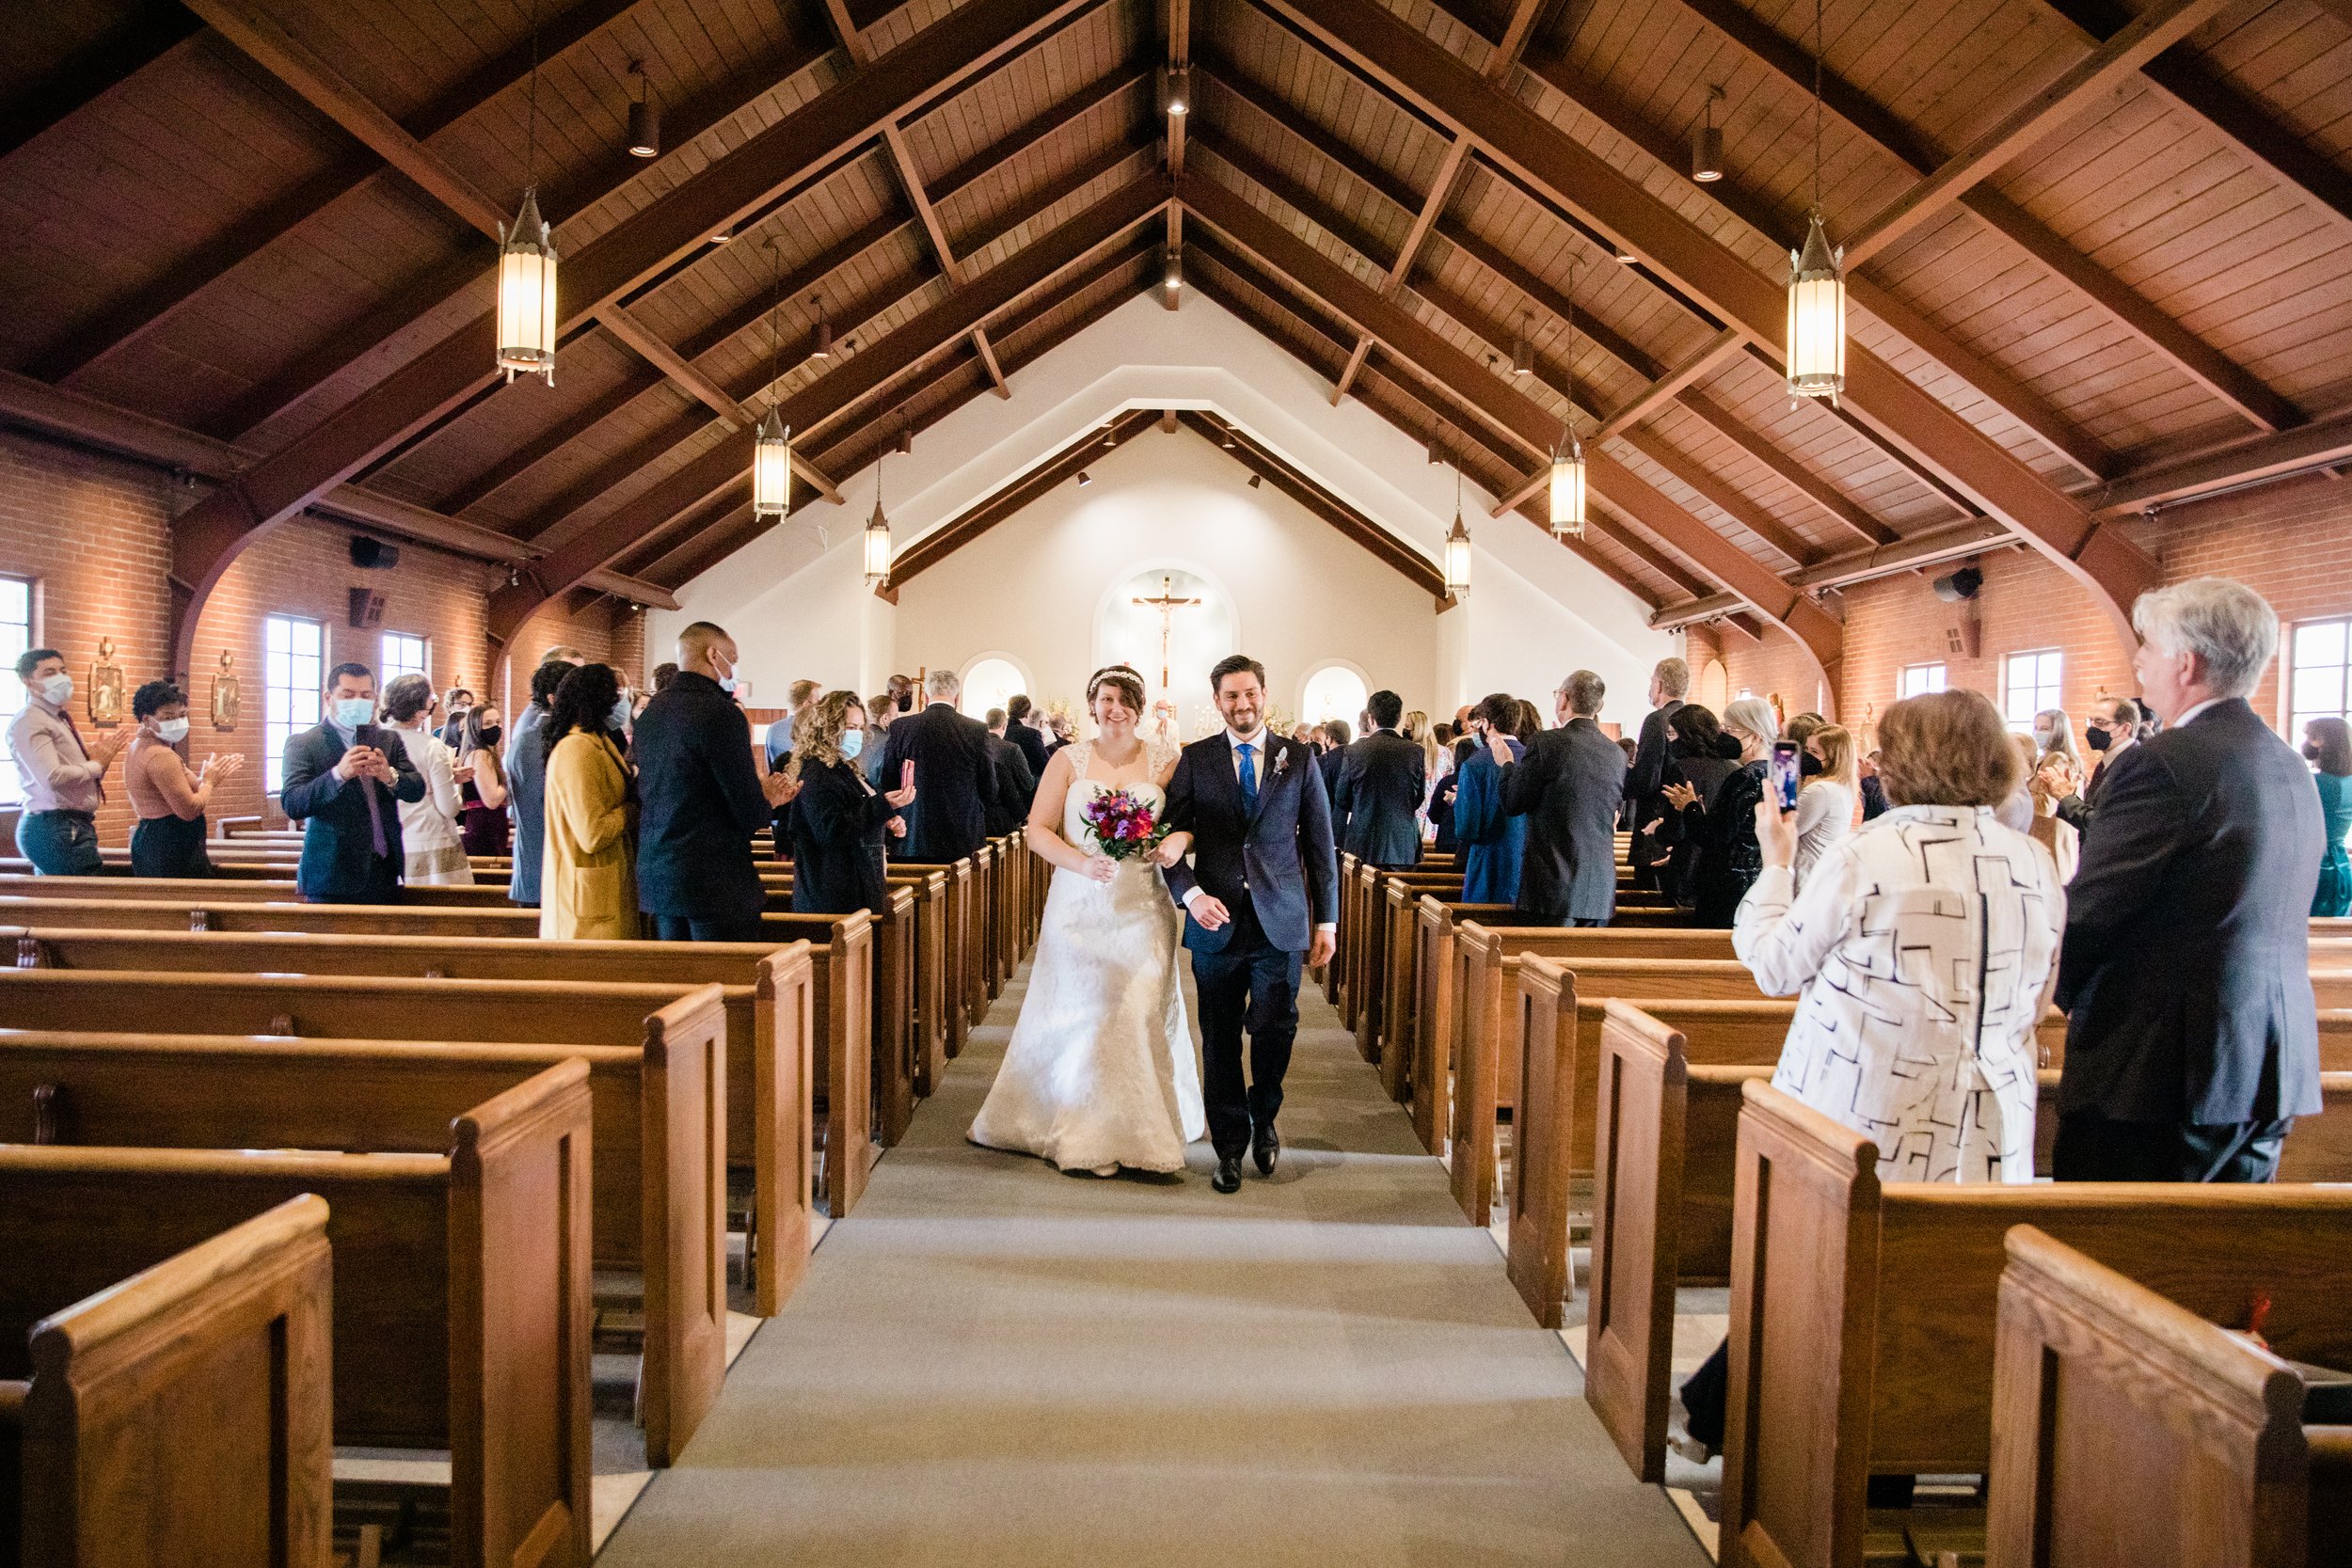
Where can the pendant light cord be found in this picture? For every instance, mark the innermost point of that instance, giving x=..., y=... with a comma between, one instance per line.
x=775, y=324
x=530, y=143
x=1817, y=106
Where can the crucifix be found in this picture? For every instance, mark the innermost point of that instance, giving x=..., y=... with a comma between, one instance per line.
x=1167, y=604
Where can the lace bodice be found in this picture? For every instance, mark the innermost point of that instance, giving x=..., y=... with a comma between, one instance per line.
x=1083, y=788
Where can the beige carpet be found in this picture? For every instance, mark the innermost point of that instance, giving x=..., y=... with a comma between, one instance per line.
x=991, y=1363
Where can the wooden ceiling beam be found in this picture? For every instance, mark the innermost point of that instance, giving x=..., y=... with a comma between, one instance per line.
x=1832, y=502
x=919, y=338
x=972, y=41
x=2211, y=369
x=1119, y=82
x=1510, y=411
x=153, y=31
x=2322, y=444
x=1380, y=45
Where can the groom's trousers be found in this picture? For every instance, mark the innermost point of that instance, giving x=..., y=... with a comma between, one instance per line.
x=1251, y=986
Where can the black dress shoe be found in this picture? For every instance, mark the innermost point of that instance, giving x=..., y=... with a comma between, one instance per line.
x=1228, y=1177
x=1266, y=1146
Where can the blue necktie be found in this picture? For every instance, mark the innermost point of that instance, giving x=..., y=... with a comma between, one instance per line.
x=1249, y=783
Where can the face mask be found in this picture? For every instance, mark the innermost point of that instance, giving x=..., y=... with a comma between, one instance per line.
x=2096, y=740
x=352, y=712
x=726, y=682
x=1808, y=766
x=171, y=731
x=2311, y=750
x=490, y=736
x=618, y=718
x=853, y=742
x=57, y=690
x=2041, y=738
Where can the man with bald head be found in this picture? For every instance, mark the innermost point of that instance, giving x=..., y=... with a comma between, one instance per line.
x=702, y=799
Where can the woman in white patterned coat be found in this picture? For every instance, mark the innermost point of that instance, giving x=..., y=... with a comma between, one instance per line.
x=1925, y=946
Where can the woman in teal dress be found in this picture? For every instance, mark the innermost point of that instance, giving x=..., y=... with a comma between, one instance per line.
x=2328, y=742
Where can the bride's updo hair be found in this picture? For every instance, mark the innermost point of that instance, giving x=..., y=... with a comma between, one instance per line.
x=1123, y=679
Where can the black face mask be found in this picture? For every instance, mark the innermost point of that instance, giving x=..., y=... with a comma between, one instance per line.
x=2096, y=740
x=1807, y=765
x=490, y=736
x=2311, y=750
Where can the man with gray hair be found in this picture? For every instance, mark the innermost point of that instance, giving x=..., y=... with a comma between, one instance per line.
x=2192, y=1041
x=1568, y=785
x=955, y=778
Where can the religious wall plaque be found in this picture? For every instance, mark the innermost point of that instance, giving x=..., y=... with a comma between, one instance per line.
x=105, y=687
x=227, y=696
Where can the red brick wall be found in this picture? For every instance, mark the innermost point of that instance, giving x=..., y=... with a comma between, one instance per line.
x=93, y=532
x=2291, y=542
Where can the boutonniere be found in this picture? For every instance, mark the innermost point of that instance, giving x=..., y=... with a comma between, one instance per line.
x=1281, y=760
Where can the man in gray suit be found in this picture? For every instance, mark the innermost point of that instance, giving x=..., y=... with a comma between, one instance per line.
x=2192, y=1040
x=1567, y=786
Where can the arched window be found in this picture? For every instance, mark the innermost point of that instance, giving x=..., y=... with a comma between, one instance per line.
x=1334, y=692
x=988, y=683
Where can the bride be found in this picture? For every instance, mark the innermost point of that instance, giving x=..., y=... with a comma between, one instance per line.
x=1100, y=1072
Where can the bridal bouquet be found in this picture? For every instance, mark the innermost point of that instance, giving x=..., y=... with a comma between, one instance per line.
x=1126, y=826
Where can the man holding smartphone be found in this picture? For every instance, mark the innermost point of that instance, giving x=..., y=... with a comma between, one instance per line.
x=1567, y=786
x=344, y=779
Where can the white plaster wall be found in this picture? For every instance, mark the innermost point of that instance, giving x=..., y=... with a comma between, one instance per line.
x=797, y=606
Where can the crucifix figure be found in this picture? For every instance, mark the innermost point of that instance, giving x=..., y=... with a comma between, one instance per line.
x=1167, y=604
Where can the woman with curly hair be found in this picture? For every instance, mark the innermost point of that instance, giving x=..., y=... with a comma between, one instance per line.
x=838, y=822
x=171, y=798
x=588, y=875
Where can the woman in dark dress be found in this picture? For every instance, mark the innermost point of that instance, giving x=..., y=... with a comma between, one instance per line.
x=482, y=820
x=171, y=801
x=838, y=821
x=1699, y=755
x=1723, y=826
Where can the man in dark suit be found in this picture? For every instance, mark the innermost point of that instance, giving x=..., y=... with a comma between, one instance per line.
x=1260, y=898
x=2112, y=731
x=1023, y=731
x=1375, y=799
x=1016, y=785
x=2191, y=1037
x=1647, y=774
x=702, y=798
x=1567, y=786
x=344, y=779
x=1331, y=751
x=955, y=778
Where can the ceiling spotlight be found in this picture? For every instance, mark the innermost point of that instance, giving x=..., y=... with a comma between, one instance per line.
x=1085, y=479
x=1176, y=90
x=1174, y=275
x=1625, y=253
x=821, y=336
x=1707, y=144
x=906, y=440
x=644, y=117
x=725, y=236
x=1522, y=352
x=1256, y=480
x=1228, y=442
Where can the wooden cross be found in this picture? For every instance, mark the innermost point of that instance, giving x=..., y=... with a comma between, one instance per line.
x=1167, y=604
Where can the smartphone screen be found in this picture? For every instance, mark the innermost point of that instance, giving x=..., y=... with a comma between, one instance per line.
x=1786, y=773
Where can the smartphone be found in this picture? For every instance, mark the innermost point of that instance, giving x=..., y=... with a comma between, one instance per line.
x=1788, y=774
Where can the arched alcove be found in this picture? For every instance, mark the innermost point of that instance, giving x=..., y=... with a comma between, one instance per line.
x=1333, y=691
x=1172, y=622
x=988, y=680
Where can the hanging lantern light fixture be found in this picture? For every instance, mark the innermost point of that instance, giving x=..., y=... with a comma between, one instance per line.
x=644, y=117
x=526, y=296
x=1522, y=352
x=1175, y=84
x=878, y=527
x=1457, y=545
x=1707, y=144
x=1567, y=460
x=771, y=449
x=1815, y=343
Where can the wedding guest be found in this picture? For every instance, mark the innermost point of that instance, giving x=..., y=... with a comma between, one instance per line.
x=1015, y=784
x=2054, y=737
x=62, y=781
x=1376, y=795
x=952, y=768
x=1568, y=787
x=1445, y=797
x=588, y=884
x=1873, y=792
x=345, y=780
x=663, y=674
x=1724, y=824
x=1669, y=681
x=482, y=784
x=838, y=819
x=1493, y=842
x=1335, y=739
x=879, y=711
x=702, y=799
x=2327, y=747
x=1698, y=757
x=525, y=776
x=1530, y=720
x=456, y=704
x=171, y=800
x=1825, y=800
x=1021, y=719
x=2110, y=732
x=1061, y=729
x=798, y=698
x=435, y=856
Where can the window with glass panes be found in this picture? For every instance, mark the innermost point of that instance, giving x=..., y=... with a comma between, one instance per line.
x=1917, y=680
x=16, y=634
x=2029, y=683
x=294, y=662
x=2319, y=674
x=404, y=655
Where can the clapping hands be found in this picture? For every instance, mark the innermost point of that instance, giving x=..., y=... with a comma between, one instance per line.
x=1681, y=795
x=779, y=789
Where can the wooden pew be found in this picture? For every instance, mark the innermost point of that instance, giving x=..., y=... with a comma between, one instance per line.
x=1436, y=988
x=461, y=1313
x=1670, y=1080
x=678, y=1031
x=1385, y=896
x=188, y=1403
x=2130, y=1432
x=965, y=986
x=768, y=994
x=1863, y=1316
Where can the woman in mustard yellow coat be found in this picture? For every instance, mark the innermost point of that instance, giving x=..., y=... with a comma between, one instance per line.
x=588, y=877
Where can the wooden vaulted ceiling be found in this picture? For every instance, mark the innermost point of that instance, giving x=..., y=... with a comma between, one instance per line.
x=2101, y=259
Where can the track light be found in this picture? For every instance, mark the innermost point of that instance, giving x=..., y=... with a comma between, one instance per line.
x=1228, y=442
x=644, y=117
x=1522, y=352
x=1085, y=479
x=1174, y=275
x=821, y=336
x=1707, y=144
x=1256, y=480
x=725, y=236
x=906, y=441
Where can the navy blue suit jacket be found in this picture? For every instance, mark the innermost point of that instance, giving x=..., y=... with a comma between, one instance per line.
x=701, y=803
x=340, y=864
x=1280, y=862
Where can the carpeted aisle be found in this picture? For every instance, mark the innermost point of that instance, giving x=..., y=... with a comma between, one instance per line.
x=991, y=1363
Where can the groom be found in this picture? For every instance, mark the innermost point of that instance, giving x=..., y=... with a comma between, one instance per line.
x=1261, y=894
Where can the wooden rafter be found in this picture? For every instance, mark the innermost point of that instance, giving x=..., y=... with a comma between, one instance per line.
x=969, y=42
x=1377, y=44
x=153, y=31
x=1511, y=412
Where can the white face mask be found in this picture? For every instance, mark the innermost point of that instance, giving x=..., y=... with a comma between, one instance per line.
x=352, y=712
x=853, y=742
x=57, y=690
x=171, y=731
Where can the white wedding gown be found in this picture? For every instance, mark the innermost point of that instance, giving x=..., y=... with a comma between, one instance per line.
x=1100, y=1072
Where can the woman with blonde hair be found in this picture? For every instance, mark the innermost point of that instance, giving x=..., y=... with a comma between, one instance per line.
x=838, y=819
x=1826, y=801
